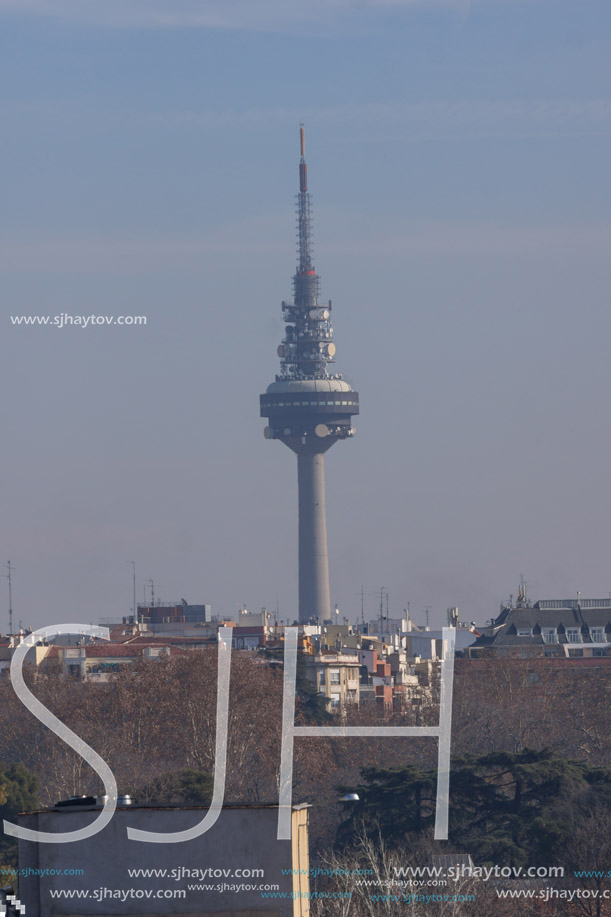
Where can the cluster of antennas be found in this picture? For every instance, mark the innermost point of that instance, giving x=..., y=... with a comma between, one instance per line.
x=307, y=347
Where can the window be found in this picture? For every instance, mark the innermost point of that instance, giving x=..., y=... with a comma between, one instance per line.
x=335, y=701
x=597, y=634
x=321, y=677
x=573, y=635
x=549, y=634
x=103, y=667
x=334, y=676
x=574, y=653
x=524, y=632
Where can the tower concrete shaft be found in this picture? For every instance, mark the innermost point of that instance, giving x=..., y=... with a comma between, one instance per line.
x=314, y=590
x=309, y=409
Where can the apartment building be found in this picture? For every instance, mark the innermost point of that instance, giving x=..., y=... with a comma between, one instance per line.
x=564, y=628
x=336, y=675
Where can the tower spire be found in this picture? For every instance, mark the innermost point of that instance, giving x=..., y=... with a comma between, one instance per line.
x=303, y=169
x=305, y=280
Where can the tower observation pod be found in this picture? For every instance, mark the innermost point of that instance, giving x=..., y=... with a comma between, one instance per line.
x=309, y=409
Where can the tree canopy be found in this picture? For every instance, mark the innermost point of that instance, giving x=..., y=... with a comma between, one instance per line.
x=18, y=793
x=504, y=808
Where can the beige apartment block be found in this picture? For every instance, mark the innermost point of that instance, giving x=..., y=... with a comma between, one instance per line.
x=337, y=676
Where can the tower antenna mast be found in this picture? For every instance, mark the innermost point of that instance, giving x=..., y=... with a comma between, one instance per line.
x=303, y=212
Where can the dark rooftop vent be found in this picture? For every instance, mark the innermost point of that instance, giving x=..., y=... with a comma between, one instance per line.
x=75, y=801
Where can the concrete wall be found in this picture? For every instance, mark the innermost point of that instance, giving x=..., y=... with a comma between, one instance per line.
x=243, y=838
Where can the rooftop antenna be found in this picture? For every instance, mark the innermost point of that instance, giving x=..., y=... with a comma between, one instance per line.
x=363, y=604
x=135, y=608
x=522, y=599
x=381, y=610
x=10, y=569
x=427, y=611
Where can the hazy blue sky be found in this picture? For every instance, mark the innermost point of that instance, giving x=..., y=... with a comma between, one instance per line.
x=458, y=158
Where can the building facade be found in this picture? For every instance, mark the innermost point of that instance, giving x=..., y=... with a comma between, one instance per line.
x=241, y=849
x=565, y=628
x=336, y=676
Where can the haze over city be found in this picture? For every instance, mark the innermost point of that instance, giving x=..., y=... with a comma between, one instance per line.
x=458, y=162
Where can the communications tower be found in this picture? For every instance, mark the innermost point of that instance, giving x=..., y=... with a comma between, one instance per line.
x=309, y=409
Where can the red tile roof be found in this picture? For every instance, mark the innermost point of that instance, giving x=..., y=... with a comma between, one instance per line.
x=111, y=649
